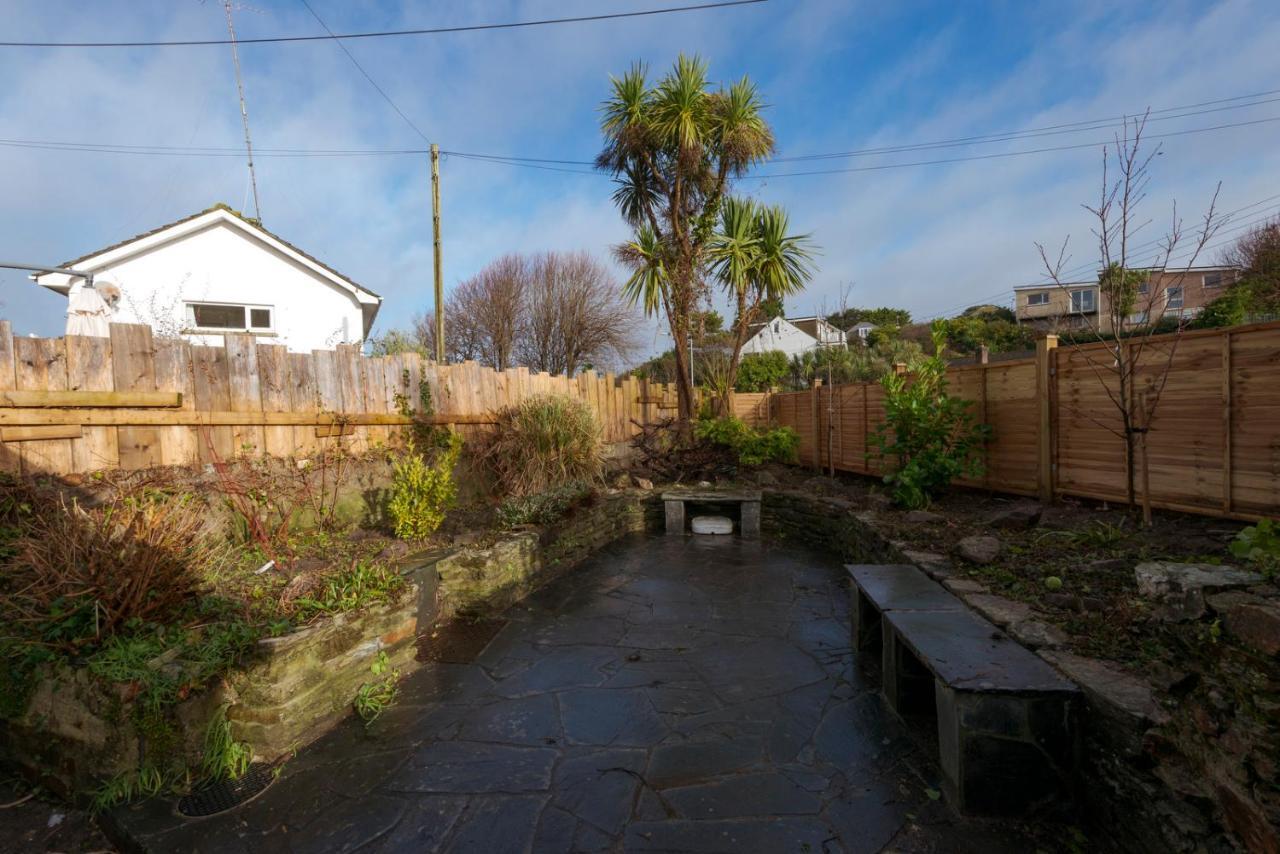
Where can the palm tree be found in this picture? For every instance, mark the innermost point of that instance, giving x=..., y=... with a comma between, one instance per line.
x=673, y=148
x=756, y=261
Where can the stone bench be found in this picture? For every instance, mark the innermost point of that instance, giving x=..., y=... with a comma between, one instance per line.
x=748, y=501
x=1006, y=719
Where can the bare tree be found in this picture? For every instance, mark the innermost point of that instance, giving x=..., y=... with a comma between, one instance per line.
x=575, y=315
x=1133, y=386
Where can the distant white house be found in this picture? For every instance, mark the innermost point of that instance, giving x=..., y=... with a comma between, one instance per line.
x=216, y=272
x=860, y=331
x=793, y=336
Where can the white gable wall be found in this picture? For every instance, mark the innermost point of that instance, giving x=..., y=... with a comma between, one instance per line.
x=222, y=263
x=778, y=334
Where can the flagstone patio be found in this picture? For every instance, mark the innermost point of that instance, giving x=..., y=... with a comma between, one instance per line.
x=673, y=694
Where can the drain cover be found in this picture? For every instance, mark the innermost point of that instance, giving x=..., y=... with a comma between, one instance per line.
x=226, y=794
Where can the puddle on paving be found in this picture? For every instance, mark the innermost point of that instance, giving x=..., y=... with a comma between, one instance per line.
x=458, y=641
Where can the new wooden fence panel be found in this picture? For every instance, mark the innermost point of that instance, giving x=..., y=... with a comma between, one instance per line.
x=1253, y=421
x=1004, y=395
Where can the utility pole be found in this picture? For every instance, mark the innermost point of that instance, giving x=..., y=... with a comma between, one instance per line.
x=435, y=237
x=690, y=359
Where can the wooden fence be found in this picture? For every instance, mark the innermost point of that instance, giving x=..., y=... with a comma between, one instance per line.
x=79, y=404
x=1213, y=444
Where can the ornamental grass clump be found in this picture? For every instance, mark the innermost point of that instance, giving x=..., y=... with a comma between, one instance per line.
x=542, y=443
x=86, y=573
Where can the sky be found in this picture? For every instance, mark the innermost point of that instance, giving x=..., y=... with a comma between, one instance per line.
x=838, y=76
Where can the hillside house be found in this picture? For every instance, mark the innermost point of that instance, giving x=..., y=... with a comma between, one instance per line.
x=793, y=336
x=1080, y=305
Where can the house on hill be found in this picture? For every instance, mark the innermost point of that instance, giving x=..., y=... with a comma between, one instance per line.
x=217, y=272
x=793, y=336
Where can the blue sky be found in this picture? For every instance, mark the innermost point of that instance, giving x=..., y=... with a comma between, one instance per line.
x=838, y=76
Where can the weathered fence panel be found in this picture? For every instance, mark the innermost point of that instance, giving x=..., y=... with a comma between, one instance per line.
x=249, y=398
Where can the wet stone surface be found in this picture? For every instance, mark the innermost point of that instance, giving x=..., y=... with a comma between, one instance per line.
x=673, y=694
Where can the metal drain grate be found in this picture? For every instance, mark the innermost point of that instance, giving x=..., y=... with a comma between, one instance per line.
x=226, y=794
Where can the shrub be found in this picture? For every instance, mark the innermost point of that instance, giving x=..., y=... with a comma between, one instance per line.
x=929, y=435
x=542, y=443
x=753, y=447
x=422, y=491
x=1260, y=545
x=762, y=371
x=84, y=573
x=544, y=507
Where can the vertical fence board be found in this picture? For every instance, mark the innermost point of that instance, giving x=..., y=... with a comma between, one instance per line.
x=274, y=394
x=134, y=369
x=89, y=369
x=41, y=364
x=11, y=453
x=212, y=388
x=179, y=445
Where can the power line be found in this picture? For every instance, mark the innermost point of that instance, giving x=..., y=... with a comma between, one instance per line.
x=526, y=164
x=942, y=161
x=1003, y=136
x=426, y=31
x=360, y=68
x=545, y=162
x=1048, y=130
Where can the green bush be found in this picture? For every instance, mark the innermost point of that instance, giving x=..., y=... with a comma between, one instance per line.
x=544, y=507
x=753, y=447
x=543, y=443
x=422, y=491
x=929, y=435
x=762, y=371
x=1260, y=545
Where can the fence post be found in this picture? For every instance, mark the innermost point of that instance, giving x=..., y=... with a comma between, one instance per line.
x=816, y=395
x=1045, y=377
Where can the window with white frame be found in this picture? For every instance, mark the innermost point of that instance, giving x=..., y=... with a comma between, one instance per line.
x=1139, y=317
x=1038, y=298
x=1173, y=297
x=1212, y=280
x=230, y=317
x=1145, y=288
x=1083, y=302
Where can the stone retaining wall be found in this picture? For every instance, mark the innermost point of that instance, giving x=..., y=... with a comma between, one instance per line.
x=829, y=523
x=483, y=581
x=78, y=731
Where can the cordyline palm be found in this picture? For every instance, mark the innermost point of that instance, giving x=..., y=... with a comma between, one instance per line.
x=755, y=260
x=673, y=148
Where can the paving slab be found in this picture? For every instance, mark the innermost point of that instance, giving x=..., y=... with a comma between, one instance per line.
x=967, y=652
x=901, y=587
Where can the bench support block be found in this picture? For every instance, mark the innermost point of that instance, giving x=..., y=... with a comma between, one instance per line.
x=1005, y=754
x=749, y=526
x=675, y=516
